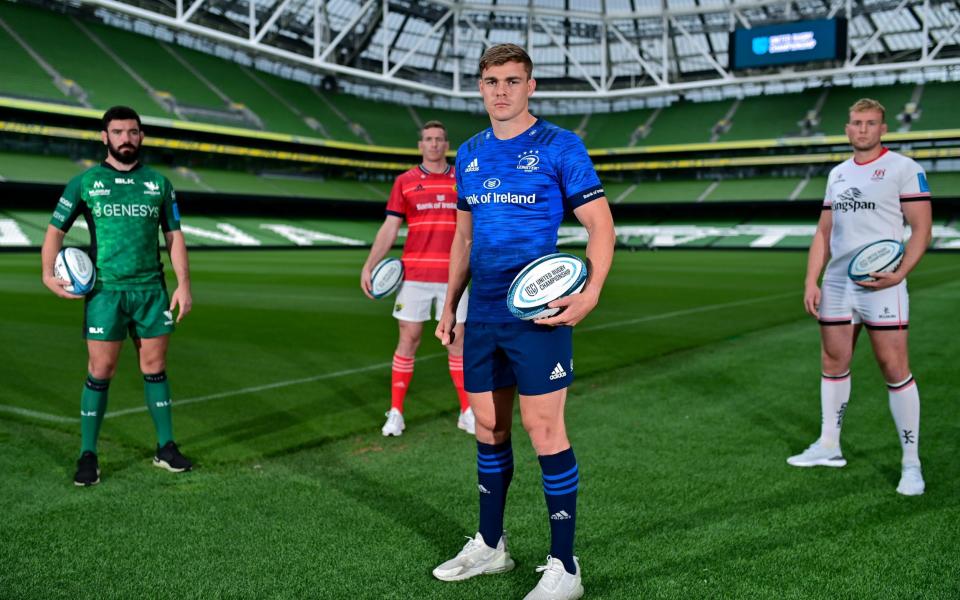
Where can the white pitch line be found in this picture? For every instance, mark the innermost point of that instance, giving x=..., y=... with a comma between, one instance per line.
x=687, y=311
x=41, y=416
x=268, y=386
x=279, y=384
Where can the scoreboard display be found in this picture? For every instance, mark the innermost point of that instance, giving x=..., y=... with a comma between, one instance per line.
x=788, y=43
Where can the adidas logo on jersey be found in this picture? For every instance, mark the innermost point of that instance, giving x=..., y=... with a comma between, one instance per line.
x=558, y=373
x=560, y=516
x=473, y=167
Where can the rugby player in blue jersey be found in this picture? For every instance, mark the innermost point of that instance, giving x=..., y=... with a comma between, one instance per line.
x=515, y=182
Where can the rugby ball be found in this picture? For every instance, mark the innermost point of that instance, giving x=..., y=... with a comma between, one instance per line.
x=386, y=277
x=544, y=280
x=877, y=257
x=73, y=265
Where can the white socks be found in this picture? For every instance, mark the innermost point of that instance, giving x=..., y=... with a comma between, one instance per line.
x=834, y=395
x=905, y=407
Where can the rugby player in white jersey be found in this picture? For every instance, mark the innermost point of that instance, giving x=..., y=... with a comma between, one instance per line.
x=868, y=198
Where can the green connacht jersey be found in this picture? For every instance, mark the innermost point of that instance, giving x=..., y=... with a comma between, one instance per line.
x=123, y=210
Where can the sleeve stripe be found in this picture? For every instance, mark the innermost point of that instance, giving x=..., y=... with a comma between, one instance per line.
x=918, y=195
x=395, y=213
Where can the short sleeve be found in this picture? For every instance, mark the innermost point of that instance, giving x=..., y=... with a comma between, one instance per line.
x=462, y=203
x=170, y=212
x=395, y=205
x=827, y=194
x=69, y=206
x=579, y=182
x=913, y=183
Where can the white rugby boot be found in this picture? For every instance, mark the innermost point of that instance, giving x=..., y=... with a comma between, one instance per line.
x=394, y=424
x=467, y=422
x=476, y=558
x=911, y=481
x=556, y=583
x=818, y=456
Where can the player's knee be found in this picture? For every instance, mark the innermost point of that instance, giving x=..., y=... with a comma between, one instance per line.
x=150, y=366
x=835, y=363
x=895, y=371
x=102, y=369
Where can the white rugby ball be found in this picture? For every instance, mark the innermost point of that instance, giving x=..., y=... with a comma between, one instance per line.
x=75, y=266
x=542, y=281
x=877, y=257
x=386, y=277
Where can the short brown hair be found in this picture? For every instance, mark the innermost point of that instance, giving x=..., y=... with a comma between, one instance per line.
x=433, y=125
x=865, y=104
x=504, y=53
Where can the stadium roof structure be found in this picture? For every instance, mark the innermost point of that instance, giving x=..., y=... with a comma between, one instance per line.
x=588, y=49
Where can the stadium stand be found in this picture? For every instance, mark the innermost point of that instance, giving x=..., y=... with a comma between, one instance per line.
x=761, y=117
x=685, y=122
x=754, y=188
x=833, y=116
x=614, y=130
x=67, y=49
x=938, y=106
x=386, y=124
x=22, y=75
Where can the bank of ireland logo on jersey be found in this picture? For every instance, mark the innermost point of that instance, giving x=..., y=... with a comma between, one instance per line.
x=491, y=184
x=529, y=160
x=473, y=167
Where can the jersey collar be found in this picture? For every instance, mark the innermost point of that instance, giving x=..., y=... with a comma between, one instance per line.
x=883, y=151
x=446, y=171
x=107, y=165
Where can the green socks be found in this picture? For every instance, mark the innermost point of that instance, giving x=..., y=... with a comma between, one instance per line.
x=93, y=405
x=156, y=392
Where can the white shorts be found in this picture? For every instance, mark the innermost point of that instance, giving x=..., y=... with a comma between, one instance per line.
x=415, y=299
x=843, y=302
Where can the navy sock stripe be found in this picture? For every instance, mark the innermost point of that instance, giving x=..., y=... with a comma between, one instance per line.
x=507, y=452
x=563, y=475
x=498, y=470
x=494, y=463
x=561, y=492
x=562, y=484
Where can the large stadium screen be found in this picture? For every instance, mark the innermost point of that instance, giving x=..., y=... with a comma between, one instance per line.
x=788, y=43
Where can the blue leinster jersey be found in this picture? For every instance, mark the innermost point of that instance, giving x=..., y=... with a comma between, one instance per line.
x=517, y=192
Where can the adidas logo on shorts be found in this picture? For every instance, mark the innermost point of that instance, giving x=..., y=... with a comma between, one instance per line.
x=558, y=373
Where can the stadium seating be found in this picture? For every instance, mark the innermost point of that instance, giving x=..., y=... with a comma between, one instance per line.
x=22, y=75
x=686, y=122
x=74, y=56
x=834, y=114
x=939, y=107
x=760, y=117
x=754, y=188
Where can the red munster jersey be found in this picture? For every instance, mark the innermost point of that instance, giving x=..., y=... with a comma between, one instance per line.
x=428, y=201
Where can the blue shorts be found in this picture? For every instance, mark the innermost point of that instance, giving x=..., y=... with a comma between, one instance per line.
x=535, y=358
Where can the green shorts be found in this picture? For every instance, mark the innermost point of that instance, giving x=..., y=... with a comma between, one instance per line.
x=110, y=315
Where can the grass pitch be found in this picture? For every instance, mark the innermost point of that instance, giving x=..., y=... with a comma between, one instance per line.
x=696, y=377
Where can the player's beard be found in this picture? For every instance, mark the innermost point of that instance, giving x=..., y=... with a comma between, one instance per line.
x=126, y=154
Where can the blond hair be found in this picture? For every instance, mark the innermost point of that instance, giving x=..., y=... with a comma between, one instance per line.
x=504, y=53
x=865, y=104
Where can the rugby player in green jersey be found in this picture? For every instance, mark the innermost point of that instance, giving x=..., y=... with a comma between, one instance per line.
x=124, y=202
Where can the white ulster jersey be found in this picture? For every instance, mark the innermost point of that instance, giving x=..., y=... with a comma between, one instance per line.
x=865, y=202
